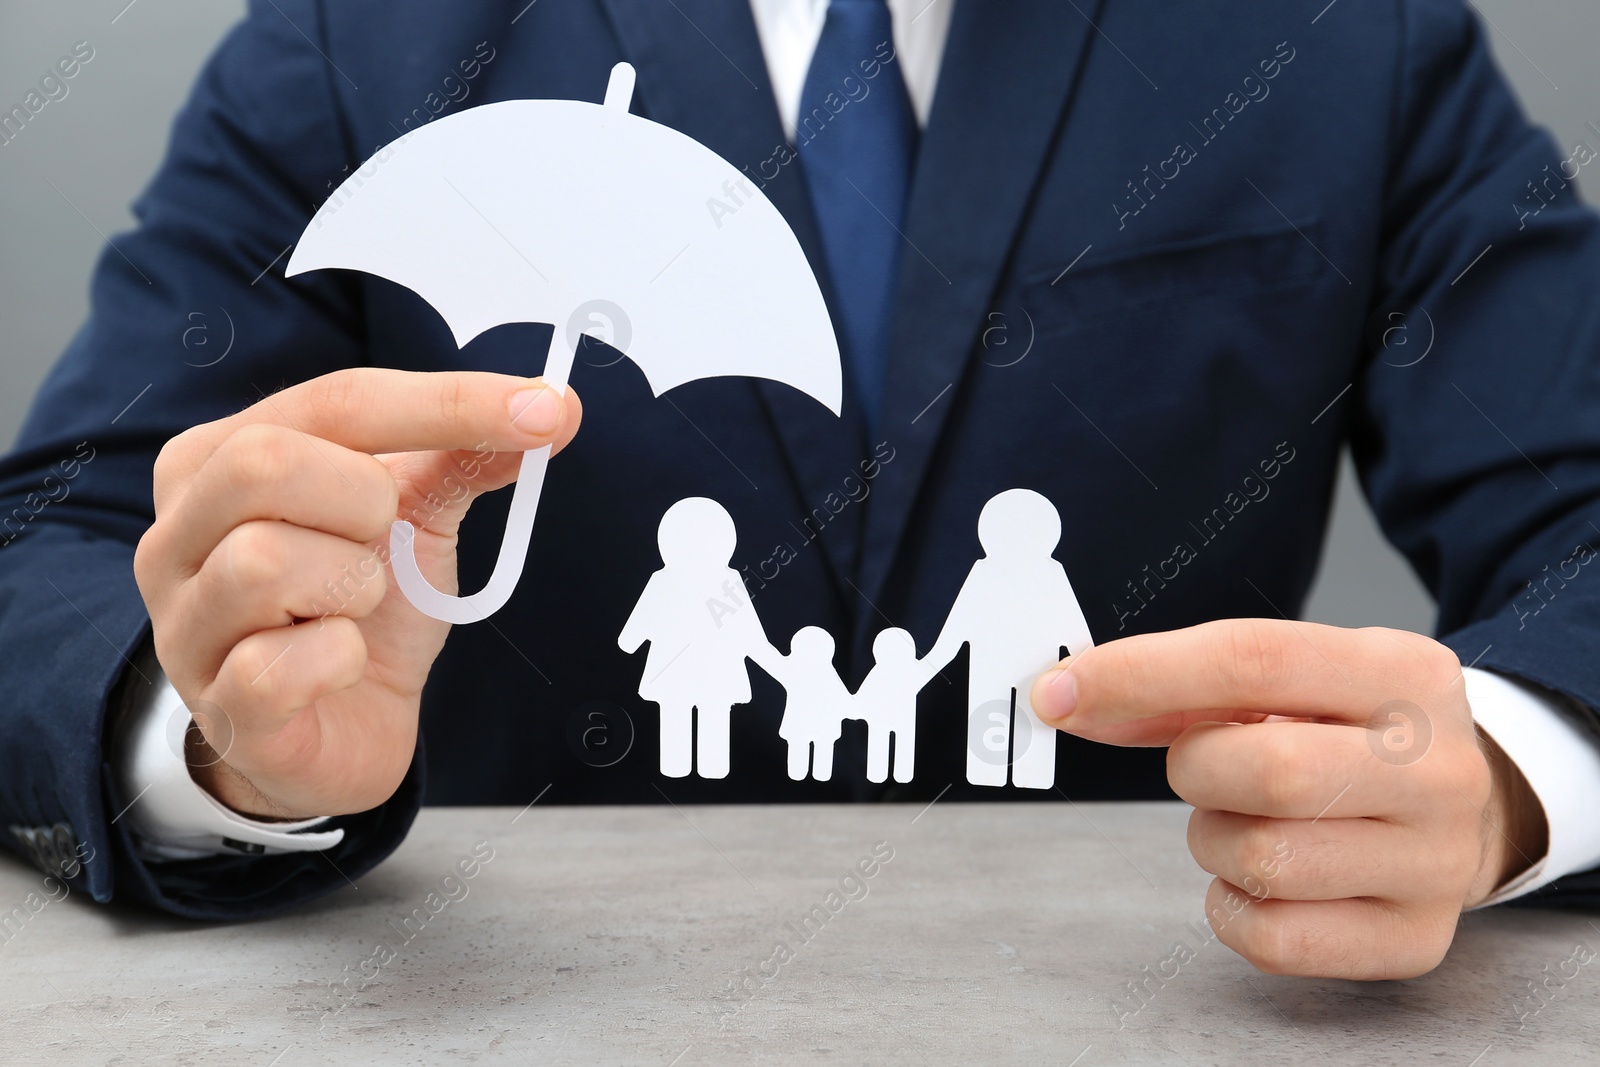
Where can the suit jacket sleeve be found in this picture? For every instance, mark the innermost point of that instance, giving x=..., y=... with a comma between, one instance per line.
x=1482, y=457
x=190, y=320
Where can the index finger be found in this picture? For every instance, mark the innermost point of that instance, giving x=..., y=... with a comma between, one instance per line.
x=1147, y=689
x=377, y=409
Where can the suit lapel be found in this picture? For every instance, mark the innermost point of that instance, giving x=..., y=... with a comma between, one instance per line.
x=1007, y=73
x=702, y=72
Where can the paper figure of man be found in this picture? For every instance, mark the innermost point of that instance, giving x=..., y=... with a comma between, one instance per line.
x=701, y=626
x=1015, y=612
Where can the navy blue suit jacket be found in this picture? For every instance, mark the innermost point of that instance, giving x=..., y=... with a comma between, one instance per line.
x=1166, y=309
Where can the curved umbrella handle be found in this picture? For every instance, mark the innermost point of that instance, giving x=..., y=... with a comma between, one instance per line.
x=519, y=528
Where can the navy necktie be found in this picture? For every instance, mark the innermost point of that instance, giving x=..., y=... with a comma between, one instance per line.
x=855, y=138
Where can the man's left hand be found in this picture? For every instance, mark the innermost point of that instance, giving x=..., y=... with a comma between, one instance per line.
x=1343, y=797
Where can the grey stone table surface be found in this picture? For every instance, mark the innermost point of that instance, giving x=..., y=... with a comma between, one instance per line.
x=988, y=933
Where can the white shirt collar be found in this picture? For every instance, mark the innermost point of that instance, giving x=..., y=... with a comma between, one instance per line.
x=789, y=30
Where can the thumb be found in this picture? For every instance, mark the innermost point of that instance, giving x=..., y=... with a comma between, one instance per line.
x=437, y=487
x=436, y=490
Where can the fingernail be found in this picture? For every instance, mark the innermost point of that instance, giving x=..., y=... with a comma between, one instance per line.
x=1058, y=697
x=537, y=411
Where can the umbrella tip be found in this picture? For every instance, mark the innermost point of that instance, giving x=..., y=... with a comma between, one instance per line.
x=619, y=90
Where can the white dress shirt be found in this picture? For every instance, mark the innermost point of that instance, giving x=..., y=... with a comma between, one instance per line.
x=1557, y=748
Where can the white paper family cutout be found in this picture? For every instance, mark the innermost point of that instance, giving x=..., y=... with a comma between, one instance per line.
x=565, y=212
x=1015, y=612
x=550, y=210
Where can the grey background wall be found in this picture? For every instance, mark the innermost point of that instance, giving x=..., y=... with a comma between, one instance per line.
x=68, y=179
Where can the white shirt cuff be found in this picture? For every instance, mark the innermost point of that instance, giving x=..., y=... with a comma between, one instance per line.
x=169, y=815
x=1557, y=749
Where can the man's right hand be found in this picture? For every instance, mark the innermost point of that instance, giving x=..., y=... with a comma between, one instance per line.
x=267, y=580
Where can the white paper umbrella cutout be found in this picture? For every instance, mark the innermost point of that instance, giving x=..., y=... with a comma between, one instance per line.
x=565, y=212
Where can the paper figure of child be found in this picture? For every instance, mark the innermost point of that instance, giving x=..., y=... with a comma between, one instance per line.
x=887, y=700
x=1015, y=612
x=701, y=627
x=817, y=703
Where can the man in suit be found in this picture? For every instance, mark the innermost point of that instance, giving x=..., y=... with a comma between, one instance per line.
x=1187, y=219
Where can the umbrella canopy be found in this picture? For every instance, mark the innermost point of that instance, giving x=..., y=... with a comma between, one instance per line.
x=591, y=219
x=531, y=210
